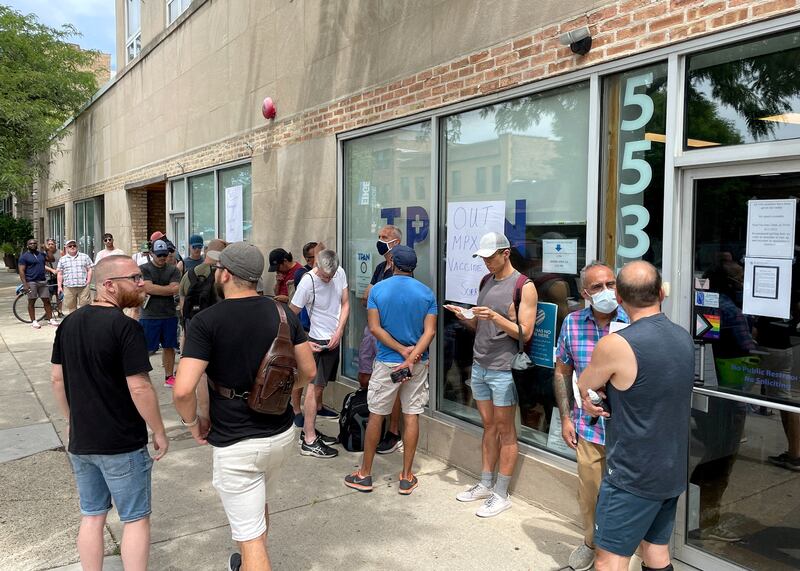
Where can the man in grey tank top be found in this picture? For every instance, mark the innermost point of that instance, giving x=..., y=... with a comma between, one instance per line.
x=496, y=333
x=647, y=370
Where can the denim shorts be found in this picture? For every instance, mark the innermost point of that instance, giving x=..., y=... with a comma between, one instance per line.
x=160, y=332
x=623, y=520
x=497, y=386
x=125, y=478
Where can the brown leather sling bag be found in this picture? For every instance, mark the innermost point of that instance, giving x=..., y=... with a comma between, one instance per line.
x=277, y=373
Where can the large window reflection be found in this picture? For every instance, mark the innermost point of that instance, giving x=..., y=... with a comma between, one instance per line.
x=201, y=205
x=530, y=155
x=745, y=93
x=379, y=173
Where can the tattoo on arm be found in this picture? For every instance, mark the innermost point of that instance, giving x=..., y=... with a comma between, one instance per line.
x=562, y=386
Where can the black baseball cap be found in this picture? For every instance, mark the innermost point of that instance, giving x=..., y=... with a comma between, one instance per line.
x=277, y=257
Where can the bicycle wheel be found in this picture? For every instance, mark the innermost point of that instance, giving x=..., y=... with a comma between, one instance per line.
x=21, y=309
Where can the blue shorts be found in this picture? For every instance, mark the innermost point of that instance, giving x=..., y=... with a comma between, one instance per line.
x=125, y=478
x=497, y=386
x=623, y=520
x=160, y=332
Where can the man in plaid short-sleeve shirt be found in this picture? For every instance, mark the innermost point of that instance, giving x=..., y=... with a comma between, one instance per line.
x=74, y=277
x=580, y=333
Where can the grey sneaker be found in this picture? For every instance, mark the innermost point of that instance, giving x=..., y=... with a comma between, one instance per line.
x=582, y=558
x=785, y=461
x=476, y=492
x=407, y=485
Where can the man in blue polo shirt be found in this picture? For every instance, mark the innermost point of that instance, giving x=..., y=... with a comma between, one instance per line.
x=32, y=275
x=401, y=313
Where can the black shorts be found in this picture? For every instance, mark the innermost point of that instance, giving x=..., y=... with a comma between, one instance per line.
x=327, y=364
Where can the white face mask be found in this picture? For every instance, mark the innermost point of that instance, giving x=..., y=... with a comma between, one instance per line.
x=605, y=301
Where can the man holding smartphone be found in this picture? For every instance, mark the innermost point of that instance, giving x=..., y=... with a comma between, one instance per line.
x=323, y=292
x=401, y=313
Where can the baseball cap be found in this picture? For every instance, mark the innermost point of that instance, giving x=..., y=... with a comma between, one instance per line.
x=195, y=240
x=157, y=235
x=68, y=242
x=404, y=258
x=160, y=247
x=276, y=257
x=489, y=244
x=243, y=260
x=214, y=249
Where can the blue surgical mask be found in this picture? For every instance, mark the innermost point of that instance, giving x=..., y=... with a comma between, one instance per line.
x=605, y=301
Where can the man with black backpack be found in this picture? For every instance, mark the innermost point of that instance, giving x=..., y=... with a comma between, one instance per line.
x=506, y=306
x=197, y=290
x=229, y=341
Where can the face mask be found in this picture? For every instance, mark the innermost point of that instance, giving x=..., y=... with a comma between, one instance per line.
x=383, y=247
x=605, y=301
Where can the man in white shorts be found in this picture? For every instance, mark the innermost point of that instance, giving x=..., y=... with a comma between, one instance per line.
x=401, y=313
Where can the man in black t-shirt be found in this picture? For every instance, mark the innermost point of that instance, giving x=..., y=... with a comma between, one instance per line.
x=101, y=383
x=227, y=341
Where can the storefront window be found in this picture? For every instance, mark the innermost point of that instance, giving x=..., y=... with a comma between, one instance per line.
x=746, y=93
x=56, y=225
x=379, y=171
x=235, y=203
x=201, y=201
x=520, y=168
x=89, y=225
x=635, y=105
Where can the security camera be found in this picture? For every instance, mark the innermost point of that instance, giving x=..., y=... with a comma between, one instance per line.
x=579, y=41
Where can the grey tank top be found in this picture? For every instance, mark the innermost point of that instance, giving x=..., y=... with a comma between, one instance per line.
x=493, y=348
x=647, y=436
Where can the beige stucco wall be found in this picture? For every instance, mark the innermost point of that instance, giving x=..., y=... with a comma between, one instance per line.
x=203, y=80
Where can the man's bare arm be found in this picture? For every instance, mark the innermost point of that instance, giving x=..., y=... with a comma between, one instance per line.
x=374, y=322
x=60, y=393
x=152, y=289
x=562, y=387
x=145, y=400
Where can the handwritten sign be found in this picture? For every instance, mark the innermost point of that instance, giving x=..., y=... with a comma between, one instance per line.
x=234, y=224
x=466, y=223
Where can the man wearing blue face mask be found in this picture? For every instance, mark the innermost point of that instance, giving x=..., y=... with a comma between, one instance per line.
x=580, y=332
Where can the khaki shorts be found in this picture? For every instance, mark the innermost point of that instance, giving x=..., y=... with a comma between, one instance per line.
x=382, y=391
x=38, y=290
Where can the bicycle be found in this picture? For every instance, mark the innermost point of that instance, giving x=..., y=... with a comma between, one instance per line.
x=21, y=304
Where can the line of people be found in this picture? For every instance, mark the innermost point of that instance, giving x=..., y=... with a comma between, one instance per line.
x=648, y=387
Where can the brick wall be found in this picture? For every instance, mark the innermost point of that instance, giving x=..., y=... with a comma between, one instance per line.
x=137, y=205
x=622, y=28
x=156, y=211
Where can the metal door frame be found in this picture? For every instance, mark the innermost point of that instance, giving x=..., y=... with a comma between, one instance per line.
x=682, y=313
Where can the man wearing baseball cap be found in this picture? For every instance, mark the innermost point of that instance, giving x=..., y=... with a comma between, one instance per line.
x=494, y=321
x=158, y=317
x=193, y=287
x=401, y=313
x=285, y=268
x=195, y=253
x=74, y=277
x=228, y=341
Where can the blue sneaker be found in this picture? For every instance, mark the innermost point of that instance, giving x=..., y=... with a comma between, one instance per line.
x=327, y=413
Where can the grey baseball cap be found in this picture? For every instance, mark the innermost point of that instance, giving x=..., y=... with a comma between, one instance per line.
x=490, y=243
x=243, y=260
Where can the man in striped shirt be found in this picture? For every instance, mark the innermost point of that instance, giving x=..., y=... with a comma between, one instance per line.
x=74, y=277
x=580, y=333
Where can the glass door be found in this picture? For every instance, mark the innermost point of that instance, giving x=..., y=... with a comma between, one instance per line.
x=740, y=298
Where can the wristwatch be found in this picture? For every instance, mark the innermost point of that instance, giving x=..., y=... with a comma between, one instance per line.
x=193, y=423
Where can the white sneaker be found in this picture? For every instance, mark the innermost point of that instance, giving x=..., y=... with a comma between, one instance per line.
x=493, y=506
x=35, y=324
x=476, y=492
x=54, y=322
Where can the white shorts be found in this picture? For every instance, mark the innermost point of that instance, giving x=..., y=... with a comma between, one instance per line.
x=244, y=475
x=382, y=391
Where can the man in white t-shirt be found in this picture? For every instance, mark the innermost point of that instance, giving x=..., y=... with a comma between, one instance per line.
x=323, y=292
x=108, y=250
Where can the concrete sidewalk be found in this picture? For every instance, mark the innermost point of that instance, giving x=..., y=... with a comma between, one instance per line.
x=316, y=522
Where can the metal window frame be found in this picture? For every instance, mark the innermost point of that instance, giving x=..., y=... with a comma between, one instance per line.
x=130, y=39
x=676, y=158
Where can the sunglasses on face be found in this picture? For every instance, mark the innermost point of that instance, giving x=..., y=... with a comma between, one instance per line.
x=161, y=255
x=108, y=240
x=197, y=247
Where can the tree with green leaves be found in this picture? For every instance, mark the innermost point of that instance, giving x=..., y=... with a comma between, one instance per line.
x=44, y=81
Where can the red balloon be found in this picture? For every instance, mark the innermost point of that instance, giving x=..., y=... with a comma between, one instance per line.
x=268, y=108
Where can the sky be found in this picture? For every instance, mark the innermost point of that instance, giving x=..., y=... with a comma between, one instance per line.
x=94, y=19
